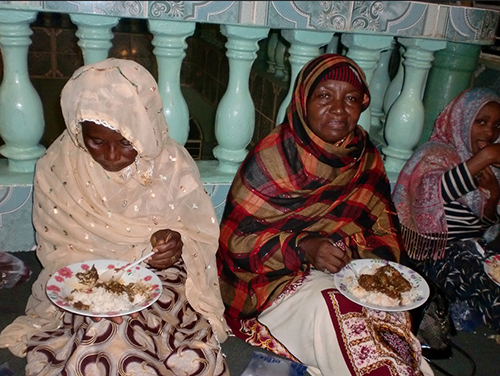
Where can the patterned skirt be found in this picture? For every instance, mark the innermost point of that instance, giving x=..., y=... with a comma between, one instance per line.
x=314, y=324
x=168, y=338
x=461, y=276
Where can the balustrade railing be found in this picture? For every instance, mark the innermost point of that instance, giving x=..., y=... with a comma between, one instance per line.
x=403, y=108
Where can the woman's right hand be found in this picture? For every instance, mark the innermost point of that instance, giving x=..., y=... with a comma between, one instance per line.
x=481, y=166
x=167, y=245
x=323, y=255
x=487, y=179
x=487, y=156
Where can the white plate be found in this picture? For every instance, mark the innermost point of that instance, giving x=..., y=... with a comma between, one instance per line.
x=62, y=282
x=413, y=277
x=489, y=264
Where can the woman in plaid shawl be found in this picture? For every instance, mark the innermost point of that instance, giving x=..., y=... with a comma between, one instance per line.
x=312, y=195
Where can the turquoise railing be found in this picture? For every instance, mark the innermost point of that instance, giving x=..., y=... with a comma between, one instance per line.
x=447, y=38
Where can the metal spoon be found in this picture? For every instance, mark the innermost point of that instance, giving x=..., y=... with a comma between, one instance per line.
x=116, y=273
x=351, y=268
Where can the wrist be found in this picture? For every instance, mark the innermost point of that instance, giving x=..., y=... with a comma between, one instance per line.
x=299, y=247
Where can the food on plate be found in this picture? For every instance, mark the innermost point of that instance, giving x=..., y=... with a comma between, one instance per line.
x=386, y=280
x=382, y=285
x=112, y=296
x=494, y=267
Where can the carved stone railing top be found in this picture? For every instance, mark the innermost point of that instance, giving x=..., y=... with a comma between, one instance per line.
x=397, y=18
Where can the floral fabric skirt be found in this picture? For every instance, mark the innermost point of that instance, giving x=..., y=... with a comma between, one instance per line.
x=314, y=324
x=461, y=276
x=168, y=338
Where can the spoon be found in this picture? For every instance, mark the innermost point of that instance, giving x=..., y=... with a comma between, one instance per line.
x=116, y=273
x=351, y=268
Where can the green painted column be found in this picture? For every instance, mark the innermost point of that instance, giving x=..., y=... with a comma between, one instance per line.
x=21, y=111
x=405, y=119
x=94, y=35
x=272, y=42
x=394, y=88
x=170, y=45
x=304, y=46
x=280, y=58
x=235, y=115
x=378, y=87
x=365, y=50
x=451, y=73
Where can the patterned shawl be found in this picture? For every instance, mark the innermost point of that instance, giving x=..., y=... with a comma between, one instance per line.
x=417, y=194
x=83, y=212
x=294, y=185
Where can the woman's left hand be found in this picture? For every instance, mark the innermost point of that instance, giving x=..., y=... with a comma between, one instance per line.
x=167, y=245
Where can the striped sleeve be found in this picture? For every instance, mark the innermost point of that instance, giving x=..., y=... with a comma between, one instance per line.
x=461, y=221
x=456, y=183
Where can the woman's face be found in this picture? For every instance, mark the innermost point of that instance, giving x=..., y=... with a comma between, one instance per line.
x=107, y=147
x=486, y=126
x=333, y=110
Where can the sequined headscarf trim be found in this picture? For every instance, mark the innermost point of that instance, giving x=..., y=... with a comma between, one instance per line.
x=82, y=212
x=121, y=95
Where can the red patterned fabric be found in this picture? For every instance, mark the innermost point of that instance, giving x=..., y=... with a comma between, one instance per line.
x=374, y=343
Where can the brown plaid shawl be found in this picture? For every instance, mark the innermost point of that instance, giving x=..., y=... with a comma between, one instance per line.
x=294, y=185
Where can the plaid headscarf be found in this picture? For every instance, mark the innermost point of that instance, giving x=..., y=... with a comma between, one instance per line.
x=417, y=194
x=293, y=185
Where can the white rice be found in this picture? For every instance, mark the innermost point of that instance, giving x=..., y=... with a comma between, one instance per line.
x=379, y=298
x=101, y=300
x=495, y=269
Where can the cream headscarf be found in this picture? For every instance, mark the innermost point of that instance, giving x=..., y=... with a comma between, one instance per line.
x=83, y=212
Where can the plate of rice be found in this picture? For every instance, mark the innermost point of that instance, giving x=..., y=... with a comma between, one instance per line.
x=76, y=288
x=393, y=298
x=492, y=268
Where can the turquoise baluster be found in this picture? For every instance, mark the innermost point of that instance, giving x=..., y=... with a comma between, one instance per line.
x=271, y=50
x=405, y=119
x=378, y=86
x=333, y=46
x=394, y=88
x=94, y=34
x=365, y=50
x=304, y=46
x=280, y=70
x=170, y=45
x=21, y=111
x=235, y=116
x=452, y=72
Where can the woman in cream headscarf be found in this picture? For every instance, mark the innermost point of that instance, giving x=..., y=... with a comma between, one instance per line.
x=115, y=186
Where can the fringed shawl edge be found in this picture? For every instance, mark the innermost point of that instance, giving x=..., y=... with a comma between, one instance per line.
x=424, y=246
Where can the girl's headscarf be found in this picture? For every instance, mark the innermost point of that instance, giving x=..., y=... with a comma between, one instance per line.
x=417, y=194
